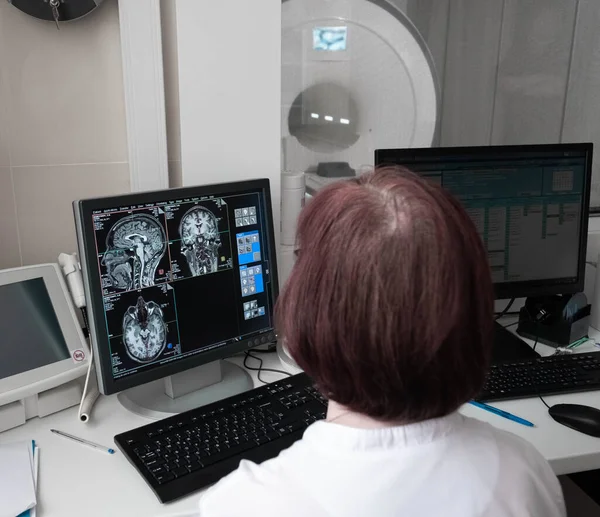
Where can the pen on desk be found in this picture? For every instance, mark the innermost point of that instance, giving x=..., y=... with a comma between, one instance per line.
x=501, y=413
x=84, y=442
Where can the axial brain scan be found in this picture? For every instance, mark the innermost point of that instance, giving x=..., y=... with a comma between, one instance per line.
x=134, y=247
x=144, y=331
x=200, y=240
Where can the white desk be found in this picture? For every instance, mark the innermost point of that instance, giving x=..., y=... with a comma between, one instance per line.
x=76, y=480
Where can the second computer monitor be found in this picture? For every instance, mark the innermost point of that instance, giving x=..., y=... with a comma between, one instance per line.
x=530, y=205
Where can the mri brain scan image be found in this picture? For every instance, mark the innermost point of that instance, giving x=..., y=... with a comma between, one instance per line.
x=200, y=240
x=144, y=331
x=134, y=247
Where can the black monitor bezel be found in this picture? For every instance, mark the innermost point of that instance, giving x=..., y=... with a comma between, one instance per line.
x=407, y=157
x=92, y=284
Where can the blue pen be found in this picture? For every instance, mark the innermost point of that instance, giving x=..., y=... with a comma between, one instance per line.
x=504, y=414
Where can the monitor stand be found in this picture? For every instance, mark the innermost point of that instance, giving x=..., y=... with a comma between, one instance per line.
x=508, y=347
x=186, y=390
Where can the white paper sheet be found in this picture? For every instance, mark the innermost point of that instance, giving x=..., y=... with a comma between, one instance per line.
x=36, y=468
x=17, y=490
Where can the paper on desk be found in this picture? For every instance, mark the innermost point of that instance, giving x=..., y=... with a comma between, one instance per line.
x=36, y=468
x=17, y=491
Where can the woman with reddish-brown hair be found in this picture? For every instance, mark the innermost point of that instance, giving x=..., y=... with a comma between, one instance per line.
x=389, y=308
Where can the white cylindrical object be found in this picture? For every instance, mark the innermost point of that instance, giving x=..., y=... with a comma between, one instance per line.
x=72, y=272
x=293, y=185
x=595, y=312
x=85, y=409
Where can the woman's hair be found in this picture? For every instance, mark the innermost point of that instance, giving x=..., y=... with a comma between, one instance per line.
x=389, y=307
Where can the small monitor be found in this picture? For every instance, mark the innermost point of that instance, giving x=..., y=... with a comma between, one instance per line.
x=41, y=342
x=530, y=205
x=177, y=278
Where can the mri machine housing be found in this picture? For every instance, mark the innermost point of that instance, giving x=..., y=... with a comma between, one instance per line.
x=356, y=76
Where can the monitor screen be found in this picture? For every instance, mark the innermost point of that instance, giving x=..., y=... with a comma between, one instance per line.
x=179, y=278
x=331, y=39
x=530, y=205
x=31, y=334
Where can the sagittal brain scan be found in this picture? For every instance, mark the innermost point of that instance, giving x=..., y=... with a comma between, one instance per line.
x=200, y=240
x=144, y=331
x=134, y=247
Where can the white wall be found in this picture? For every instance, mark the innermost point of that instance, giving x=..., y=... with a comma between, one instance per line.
x=516, y=72
x=230, y=92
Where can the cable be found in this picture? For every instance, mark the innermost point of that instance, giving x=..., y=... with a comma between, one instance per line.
x=86, y=330
x=90, y=393
x=536, y=386
x=510, y=325
x=261, y=369
x=506, y=309
x=259, y=351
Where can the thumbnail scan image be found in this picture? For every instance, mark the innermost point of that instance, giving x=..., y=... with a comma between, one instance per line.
x=144, y=331
x=200, y=240
x=135, y=245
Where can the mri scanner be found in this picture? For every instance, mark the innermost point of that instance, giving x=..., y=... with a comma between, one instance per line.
x=356, y=76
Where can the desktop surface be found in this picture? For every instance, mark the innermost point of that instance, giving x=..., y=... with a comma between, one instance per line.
x=76, y=479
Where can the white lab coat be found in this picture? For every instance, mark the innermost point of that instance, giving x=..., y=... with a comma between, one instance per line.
x=448, y=467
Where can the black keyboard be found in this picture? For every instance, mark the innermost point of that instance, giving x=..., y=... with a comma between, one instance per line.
x=551, y=375
x=186, y=452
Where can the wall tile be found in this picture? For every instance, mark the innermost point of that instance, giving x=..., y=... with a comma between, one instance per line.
x=431, y=19
x=535, y=49
x=9, y=239
x=65, y=87
x=4, y=128
x=582, y=106
x=471, y=69
x=44, y=197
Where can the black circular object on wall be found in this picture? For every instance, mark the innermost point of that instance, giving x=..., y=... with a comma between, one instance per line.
x=68, y=9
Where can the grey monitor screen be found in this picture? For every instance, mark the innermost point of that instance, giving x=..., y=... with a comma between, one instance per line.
x=529, y=203
x=30, y=335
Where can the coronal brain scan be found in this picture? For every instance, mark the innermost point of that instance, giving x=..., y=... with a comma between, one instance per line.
x=200, y=240
x=134, y=247
x=144, y=331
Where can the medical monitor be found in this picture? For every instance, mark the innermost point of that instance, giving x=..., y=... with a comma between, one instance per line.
x=530, y=205
x=178, y=278
x=41, y=342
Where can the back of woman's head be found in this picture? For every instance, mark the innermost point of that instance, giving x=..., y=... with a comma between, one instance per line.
x=389, y=305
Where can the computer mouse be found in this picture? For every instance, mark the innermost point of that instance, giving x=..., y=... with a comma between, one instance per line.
x=584, y=419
